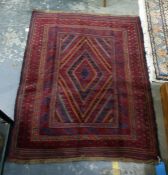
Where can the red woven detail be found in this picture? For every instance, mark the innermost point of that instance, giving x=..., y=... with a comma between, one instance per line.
x=84, y=90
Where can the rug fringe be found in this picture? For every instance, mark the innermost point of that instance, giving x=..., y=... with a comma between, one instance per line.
x=66, y=160
x=82, y=12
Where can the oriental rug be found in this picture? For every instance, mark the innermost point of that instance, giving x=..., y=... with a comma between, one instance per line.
x=84, y=91
x=157, y=15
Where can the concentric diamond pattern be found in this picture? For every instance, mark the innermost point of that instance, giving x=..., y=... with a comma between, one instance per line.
x=88, y=78
x=84, y=73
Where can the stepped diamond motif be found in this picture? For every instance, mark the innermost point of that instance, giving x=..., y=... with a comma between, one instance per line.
x=86, y=78
x=84, y=73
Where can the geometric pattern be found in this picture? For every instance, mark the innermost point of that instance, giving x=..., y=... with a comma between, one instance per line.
x=86, y=76
x=157, y=17
x=84, y=91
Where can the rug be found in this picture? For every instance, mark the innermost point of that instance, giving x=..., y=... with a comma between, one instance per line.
x=84, y=92
x=157, y=14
